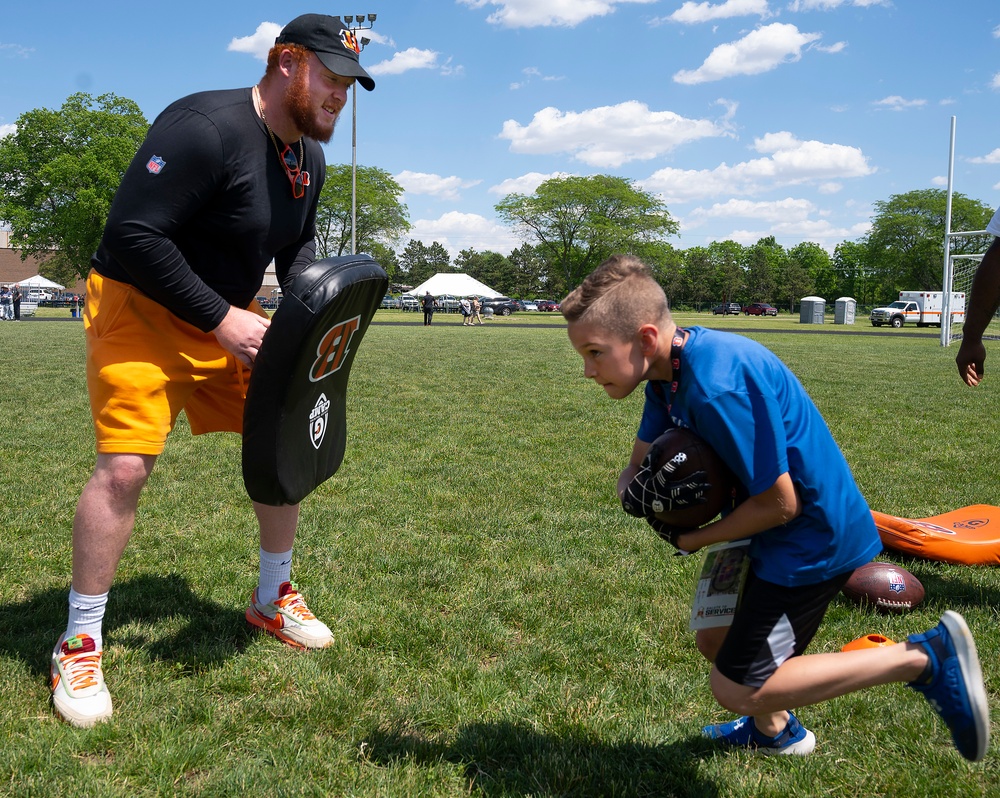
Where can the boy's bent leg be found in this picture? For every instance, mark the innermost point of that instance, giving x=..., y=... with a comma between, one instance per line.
x=813, y=678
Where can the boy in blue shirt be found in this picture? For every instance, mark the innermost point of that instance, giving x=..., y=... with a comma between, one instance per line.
x=809, y=526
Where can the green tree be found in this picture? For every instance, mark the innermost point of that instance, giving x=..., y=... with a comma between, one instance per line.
x=793, y=282
x=578, y=221
x=728, y=278
x=381, y=217
x=59, y=172
x=530, y=270
x=764, y=261
x=698, y=271
x=854, y=279
x=817, y=263
x=420, y=262
x=906, y=242
x=488, y=267
x=667, y=265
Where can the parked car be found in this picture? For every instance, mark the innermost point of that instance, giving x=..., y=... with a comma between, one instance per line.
x=409, y=303
x=501, y=305
x=37, y=295
x=389, y=301
x=448, y=303
x=729, y=308
x=760, y=309
x=547, y=305
x=529, y=305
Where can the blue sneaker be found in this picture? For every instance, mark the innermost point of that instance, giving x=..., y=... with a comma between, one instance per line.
x=742, y=733
x=956, y=689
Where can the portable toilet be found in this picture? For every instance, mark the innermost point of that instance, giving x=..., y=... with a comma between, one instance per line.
x=844, y=309
x=812, y=310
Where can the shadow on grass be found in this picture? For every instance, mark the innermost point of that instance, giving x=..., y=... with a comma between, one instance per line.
x=502, y=759
x=210, y=634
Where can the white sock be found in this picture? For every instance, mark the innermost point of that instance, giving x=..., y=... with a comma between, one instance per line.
x=86, y=616
x=275, y=570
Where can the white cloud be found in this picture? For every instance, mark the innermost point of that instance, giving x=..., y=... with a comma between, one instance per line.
x=829, y=5
x=404, y=61
x=456, y=231
x=759, y=51
x=610, y=136
x=786, y=210
x=995, y=83
x=532, y=73
x=545, y=13
x=837, y=47
x=896, y=103
x=829, y=188
x=16, y=50
x=940, y=180
x=692, y=13
x=996, y=32
x=259, y=43
x=992, y=157
x=434, y=185
x=790, y=162
x=818, y=231
x=525, y=184
x=7, y=130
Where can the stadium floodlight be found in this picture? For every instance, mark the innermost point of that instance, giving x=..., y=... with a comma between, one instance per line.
x=350, y=18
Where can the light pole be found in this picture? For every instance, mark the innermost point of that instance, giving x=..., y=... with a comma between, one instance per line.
x=349, y=19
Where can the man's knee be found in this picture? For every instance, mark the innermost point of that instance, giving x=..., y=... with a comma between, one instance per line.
x=122, y=476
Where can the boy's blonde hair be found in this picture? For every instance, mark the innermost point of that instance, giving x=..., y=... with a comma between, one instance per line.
x=619, y=296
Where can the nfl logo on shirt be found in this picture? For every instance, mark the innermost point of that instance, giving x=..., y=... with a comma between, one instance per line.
x=155, y=165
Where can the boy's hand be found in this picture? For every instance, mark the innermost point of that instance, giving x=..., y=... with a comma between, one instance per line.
x=650, y=493
x=669, y=533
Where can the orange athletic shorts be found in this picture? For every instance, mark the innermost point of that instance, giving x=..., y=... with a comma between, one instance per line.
x=145, y=365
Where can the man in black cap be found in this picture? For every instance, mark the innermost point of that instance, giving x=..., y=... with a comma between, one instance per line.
x=224, y=182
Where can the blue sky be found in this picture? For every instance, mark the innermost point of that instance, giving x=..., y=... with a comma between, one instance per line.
x=749, y=117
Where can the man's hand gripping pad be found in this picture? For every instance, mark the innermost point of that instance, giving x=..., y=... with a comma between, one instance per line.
x=295, y=418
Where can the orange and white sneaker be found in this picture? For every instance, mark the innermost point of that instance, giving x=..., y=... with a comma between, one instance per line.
x=289, y=619
x=78, y=690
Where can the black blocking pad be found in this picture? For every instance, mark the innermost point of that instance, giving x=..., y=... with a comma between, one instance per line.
x=295, y=418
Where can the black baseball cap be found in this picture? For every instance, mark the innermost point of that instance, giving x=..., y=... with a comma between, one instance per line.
x=333, y=42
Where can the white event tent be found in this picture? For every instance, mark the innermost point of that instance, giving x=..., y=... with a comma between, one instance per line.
x=453, y=284
x=40, y=282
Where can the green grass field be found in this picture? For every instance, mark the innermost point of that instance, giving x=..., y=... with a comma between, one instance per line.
x=502, y=628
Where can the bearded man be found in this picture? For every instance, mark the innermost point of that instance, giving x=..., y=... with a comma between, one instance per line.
x=224, y=182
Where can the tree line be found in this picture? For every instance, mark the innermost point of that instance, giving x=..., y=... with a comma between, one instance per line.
x=60, y=169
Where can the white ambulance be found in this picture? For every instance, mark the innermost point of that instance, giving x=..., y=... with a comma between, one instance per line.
x=922, y=308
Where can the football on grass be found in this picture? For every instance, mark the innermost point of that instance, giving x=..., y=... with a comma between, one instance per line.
x=885, y=587
x=689, y=454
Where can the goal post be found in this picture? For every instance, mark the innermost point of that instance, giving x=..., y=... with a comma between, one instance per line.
x=959, y=270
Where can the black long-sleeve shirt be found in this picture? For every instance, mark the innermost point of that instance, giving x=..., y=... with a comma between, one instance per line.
x=204, y=207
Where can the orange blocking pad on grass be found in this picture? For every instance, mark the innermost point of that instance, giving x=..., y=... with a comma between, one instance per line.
x=967, y=536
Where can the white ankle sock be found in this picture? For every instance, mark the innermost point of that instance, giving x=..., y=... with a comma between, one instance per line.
x=275, y=570
x=86, y=616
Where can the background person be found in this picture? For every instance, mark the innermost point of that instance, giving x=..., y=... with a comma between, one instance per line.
x=15, y=298
x=809, y=526
x=984, y=299
x=429, y=303
x=476, y=307
x=224, y=182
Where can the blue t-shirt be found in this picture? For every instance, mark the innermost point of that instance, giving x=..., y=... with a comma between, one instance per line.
x=749, y=407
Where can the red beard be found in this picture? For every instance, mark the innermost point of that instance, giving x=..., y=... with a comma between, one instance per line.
x=299, y=107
